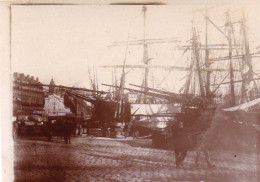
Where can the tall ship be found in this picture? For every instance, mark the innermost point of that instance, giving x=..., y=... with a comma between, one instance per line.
x=217, y=75
x=220, y=76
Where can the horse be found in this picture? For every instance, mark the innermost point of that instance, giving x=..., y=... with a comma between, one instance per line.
x=183, y=142
x=189, y=138
x=202, y=149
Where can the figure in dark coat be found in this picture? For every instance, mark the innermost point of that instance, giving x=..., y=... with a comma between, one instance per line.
x=67, y=131
x=49, y=130
x=180, y=142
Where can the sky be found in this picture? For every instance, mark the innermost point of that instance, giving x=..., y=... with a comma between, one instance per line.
x=66, y=42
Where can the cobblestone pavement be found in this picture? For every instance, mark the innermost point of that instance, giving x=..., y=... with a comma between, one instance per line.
x=103, y=159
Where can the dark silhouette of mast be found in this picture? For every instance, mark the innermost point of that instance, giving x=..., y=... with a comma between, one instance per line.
x=195, y=45
x=229, y=29
x=247, y=77
x=145, y=54
x=207, y=64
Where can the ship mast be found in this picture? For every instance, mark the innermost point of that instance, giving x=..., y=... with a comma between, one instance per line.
x=195, y=45
x=246, y=62
x=120, y=97
x=229, y=29
x=207, y=56
x=145, y=54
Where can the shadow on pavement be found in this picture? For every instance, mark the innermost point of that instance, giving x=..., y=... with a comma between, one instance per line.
x=143, y=143
x=45, y=139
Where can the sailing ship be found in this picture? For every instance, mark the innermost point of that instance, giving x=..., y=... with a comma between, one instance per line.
x=211, y=82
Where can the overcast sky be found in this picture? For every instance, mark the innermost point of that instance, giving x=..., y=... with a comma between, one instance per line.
x=64, y=42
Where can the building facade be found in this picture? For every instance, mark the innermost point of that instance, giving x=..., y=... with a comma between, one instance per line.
x=54, y=106
x=28, y=97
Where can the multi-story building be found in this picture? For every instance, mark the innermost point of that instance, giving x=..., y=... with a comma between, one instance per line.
x=28, y=98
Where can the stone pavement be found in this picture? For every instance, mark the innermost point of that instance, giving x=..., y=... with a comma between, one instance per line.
x=104, y=159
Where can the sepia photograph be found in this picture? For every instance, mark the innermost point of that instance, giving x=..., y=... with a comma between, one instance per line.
x=131, y=91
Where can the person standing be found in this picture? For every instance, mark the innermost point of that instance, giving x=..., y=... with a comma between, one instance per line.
x=67, y=131
x=49, y=130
